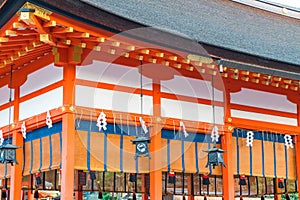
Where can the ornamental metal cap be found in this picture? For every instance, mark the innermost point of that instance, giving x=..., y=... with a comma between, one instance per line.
x=214, y=149
x=141, y=139
x=27, y=10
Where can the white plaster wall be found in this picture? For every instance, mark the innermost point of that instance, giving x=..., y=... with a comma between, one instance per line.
x=191, y=111
x=112, y=100
x=190, y=87
x=262, y=99
x=4, y=116
x=42, y=103
x=263, y=117
x=112, y=74
x=4, y=95
x=41, y=78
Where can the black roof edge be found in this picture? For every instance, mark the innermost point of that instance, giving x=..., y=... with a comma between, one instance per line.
x=9, y=9
x=55, y=9
x=232, y=58
x=279, y=5
x=245, y=61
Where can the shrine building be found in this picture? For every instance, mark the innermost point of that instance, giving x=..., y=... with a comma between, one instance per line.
x=183, y=100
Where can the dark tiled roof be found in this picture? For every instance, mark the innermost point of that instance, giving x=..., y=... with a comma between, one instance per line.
x=217, y=22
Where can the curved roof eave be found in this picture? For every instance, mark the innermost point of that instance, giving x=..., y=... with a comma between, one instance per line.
x=217, y=22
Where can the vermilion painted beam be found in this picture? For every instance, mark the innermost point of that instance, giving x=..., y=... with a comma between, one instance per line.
x=22, y=38
x=263, y=111
x=265, y=126
x=114, y=87
x=8, y=25
x=31, y=67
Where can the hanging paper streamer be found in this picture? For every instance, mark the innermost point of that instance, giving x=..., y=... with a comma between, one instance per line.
x=101, y=121
x=1, y=138
x=23, y=130
x=174, y=128
x=288, y=141
x=144, y=127
x=214, y=134
x=128, y=129
x=48, y=120
x=250, y=137
x=183, y=129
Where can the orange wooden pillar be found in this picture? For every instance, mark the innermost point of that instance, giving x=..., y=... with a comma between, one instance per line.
x=228, y=179
x=17, y=139
x=68, y=132
x=155, y=146
x=226, y=140
x=297, y=144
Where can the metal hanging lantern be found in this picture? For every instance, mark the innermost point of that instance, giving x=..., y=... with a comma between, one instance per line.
x=215, y=157
x=8, y=151
x=8, y=154
x=141, y=146
x=141, y=142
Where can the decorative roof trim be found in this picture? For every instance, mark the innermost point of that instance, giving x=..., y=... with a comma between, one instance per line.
x=272, y=7
x=2, y=2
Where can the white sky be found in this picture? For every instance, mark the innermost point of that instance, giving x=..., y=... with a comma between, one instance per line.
x=291, y=3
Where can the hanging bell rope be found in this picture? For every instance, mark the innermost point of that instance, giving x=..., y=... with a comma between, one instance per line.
x=10, y=98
